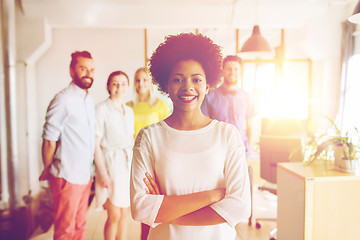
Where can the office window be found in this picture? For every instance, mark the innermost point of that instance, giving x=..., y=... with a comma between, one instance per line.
x=351, y=95
x=279, y=93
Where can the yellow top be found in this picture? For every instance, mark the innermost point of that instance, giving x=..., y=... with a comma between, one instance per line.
x=146, y=115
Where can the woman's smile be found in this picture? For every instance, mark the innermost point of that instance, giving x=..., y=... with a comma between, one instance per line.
x=187, y=98
x=187, y=85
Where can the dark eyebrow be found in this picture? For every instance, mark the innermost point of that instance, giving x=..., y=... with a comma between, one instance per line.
x=197, y=74
x=83, y=66
x=177, y=74
x=193, y=75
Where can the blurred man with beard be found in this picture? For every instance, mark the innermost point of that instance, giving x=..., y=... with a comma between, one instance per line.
x=68, y=149
x=229, y=103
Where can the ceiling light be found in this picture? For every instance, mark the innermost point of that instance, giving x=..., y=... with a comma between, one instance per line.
x=355, y=17
x=256, y=43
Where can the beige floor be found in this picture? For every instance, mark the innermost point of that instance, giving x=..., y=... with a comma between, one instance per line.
x=264, y=205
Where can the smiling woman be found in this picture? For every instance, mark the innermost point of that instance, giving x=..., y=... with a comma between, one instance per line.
x=113, y=144
x=148, y=108
x=184, y=47
x=188, y=159
x=187, y=85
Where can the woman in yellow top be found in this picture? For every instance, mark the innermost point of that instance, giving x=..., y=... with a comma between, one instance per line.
x=147, y=107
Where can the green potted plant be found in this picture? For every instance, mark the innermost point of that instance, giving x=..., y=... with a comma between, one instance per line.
x=342, y=147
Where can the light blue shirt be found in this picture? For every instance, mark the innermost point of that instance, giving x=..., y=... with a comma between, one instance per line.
x=234, y=107
x=70, y=122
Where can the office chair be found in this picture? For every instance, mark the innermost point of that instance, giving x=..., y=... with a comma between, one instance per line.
x=274, y=149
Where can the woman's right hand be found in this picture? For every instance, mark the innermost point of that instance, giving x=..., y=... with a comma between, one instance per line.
x=151, y=185
x=104, y=179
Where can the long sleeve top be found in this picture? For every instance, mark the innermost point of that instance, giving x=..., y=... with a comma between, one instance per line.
x=70, y=122
x=184, y=162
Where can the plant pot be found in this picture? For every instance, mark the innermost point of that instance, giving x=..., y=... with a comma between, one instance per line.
x=346, y=165
x=342, y=163
x=339, y=152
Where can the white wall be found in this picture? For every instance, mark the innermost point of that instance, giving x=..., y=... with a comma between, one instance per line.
x=44, y=56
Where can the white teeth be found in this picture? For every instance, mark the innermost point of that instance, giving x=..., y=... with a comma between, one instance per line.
x=187, y=98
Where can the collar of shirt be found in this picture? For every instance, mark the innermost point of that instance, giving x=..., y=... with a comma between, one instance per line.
x=83, y=93
x=110, y=103
x=226, y=91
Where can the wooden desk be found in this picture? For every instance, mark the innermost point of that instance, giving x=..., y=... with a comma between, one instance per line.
x=316, y=202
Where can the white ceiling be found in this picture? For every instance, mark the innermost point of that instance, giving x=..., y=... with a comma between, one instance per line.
x=182, y=13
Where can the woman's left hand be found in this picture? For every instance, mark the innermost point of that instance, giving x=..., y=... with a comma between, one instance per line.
x=152, y=187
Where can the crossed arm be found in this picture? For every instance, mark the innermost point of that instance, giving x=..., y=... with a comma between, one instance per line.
x=190, y=209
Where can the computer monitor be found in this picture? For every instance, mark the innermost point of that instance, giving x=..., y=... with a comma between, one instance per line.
x=288, y=127
x=274, y=149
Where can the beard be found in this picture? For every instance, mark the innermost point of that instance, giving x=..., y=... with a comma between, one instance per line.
x=83, y=82
x=231, y=80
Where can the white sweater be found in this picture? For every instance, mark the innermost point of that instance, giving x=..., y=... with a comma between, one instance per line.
x=185, y=162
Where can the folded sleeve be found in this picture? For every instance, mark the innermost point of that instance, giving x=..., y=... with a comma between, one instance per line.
x=236, y=206
x=55, y=118
x=144, y=207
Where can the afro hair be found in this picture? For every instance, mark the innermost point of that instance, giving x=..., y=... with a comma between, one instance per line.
x=186, y=46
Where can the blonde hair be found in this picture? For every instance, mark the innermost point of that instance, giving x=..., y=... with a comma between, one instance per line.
x=152, y=98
